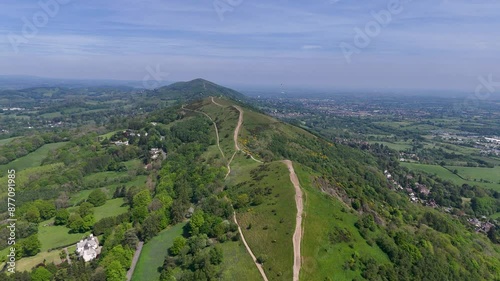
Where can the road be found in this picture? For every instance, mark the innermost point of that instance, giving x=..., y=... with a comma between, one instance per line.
x=297, y=235
x=137, y=254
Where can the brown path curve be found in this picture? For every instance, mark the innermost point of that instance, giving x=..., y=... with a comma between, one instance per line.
x=218, y=104
x=235, y=137
x=259, y=266
x=137, y=254
x=297, y=235
x=238, y=127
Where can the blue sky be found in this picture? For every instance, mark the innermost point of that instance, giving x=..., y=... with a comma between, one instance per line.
x=428, y=44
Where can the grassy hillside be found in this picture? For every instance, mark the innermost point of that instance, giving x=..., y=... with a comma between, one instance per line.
x=355, y=227
x=268, y=226
x=325, y=254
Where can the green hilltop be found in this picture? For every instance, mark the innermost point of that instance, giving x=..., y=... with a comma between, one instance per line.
x=194, y=90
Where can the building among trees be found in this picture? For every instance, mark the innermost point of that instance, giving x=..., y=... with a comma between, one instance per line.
x=89, y=248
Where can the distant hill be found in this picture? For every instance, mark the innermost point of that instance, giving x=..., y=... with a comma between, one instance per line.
x=194, y=90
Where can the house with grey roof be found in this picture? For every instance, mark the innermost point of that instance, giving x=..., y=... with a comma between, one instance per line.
x=88, y=249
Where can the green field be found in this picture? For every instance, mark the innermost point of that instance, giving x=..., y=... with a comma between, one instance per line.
x=154, y=252
x=469, y=174
x=113, y=207
x=30, y=262
x=322, y=259
x=110, y=134
x=50, y=236
x=399, y=146
x=51, y=115
x=54, y=236
x=475, y=173
x=33, y=159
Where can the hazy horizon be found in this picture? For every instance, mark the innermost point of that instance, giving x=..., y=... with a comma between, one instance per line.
x=331, y=44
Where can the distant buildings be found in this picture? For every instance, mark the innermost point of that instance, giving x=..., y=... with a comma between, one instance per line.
x=120, y=143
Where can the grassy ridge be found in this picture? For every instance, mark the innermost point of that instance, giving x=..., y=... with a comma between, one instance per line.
x=272, y=222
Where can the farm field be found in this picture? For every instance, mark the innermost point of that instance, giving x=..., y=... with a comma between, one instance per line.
x=154, y=252
x=399, y=146
x=478, y=174
x=446, y=174
x=113, y=207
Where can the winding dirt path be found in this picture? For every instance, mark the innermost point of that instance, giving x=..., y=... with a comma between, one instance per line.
x=238, y=127
x=297, y=235
x=218, y=104
x=235, y=137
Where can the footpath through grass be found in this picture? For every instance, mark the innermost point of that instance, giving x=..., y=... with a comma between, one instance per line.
x=268, y=228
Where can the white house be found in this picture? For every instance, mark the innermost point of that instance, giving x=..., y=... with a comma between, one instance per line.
x=89, y=248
